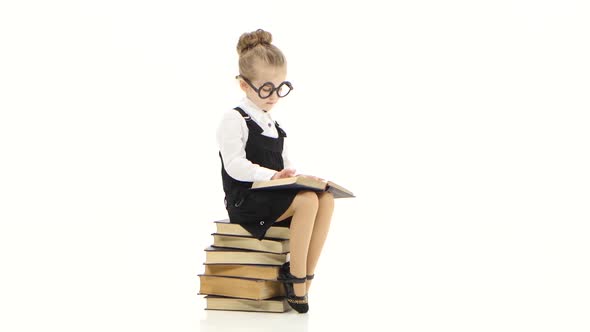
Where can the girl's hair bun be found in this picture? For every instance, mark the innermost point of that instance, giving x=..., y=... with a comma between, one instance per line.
x=249, y=40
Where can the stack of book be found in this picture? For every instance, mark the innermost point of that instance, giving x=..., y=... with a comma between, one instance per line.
x=241, y=271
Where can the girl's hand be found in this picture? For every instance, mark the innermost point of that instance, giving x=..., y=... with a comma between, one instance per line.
x=313, y=177
x=285, y=173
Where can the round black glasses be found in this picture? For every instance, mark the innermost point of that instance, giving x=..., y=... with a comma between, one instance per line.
x=268, y=88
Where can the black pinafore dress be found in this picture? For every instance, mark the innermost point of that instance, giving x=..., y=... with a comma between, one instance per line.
x=256, y=211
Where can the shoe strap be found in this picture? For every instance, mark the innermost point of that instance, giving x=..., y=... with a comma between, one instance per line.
x=297, y=299
x=292, y=279
x=296, y=280
x=285, y=275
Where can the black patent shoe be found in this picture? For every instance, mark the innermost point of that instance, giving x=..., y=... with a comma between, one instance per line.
x=299, y=303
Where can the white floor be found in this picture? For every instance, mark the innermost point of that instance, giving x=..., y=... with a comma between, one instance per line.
x=139, y=275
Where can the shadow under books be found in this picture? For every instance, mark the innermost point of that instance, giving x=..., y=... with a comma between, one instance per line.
x=217, y=321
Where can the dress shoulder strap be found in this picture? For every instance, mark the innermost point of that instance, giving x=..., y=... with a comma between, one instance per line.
x=282, y=133
x=252, y=125
x=243, y=113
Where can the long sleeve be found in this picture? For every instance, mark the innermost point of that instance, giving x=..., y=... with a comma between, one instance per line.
x=288, y=163
x=232, y=135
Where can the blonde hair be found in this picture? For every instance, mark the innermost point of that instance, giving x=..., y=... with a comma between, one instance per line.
x=254, y=47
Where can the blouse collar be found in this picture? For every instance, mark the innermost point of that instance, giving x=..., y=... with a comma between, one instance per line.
x=252, y=109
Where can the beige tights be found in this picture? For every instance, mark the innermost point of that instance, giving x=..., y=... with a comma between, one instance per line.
x=311, y=214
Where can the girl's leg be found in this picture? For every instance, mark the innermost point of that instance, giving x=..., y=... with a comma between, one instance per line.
x=303, y=209
x=320, y=231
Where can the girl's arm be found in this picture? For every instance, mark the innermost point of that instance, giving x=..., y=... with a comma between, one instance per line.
x=232, y=135
x=287, y=162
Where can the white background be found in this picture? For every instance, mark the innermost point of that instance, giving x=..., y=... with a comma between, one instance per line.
x=461, y=126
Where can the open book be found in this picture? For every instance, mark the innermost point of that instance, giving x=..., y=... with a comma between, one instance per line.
x=302, y=182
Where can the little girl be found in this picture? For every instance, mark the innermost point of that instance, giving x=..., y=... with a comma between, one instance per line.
x=252, y=148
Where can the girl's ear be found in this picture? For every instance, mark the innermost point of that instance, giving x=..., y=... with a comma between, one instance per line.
x=243, y=85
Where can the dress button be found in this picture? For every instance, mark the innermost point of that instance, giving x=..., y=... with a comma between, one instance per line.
x=269, y=124
x=262, y=223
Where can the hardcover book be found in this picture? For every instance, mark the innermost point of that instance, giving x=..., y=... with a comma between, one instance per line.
x=275, y=304
x=255, y=271
x=215, y=255
x=303, y=182
x=225, y=227
x=246, y=288
x=279, y=246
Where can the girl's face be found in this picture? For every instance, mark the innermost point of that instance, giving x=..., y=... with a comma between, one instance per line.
x=266, y=73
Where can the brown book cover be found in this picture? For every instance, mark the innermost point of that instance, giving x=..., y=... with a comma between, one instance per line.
x=225, y=227
x=215, y=255
x=266, y=272
x=303, y=182
x=246, y=288
x=275, y=304
x=266, y=244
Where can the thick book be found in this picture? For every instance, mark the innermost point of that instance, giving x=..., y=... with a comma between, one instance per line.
x=226, y=227
x=305, y=183
x=245, y=288
x=266, y=272
x=215, y=255
x=275, y=304
x=278, y=246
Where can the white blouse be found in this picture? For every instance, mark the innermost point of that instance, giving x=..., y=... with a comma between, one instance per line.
x=232, y=135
